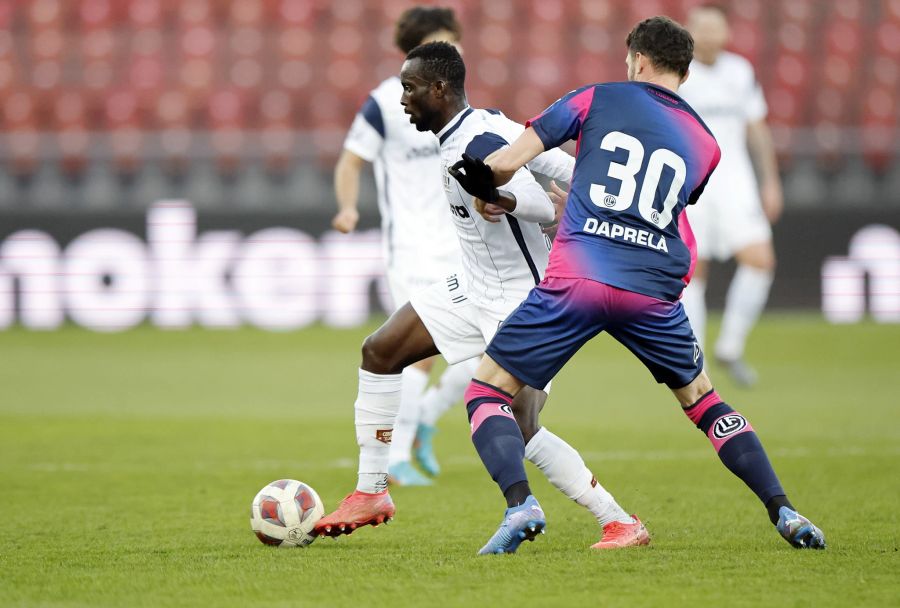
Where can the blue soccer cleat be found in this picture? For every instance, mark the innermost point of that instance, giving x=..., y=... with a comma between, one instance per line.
x=424, y=450
x=405, y=474
x=798, y=530
x=523, y=522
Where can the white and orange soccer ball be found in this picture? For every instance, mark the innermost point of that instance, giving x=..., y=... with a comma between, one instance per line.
x=284, y=513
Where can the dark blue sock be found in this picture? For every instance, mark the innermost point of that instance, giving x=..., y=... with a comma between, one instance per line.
x=497, y=439
x=739, y=448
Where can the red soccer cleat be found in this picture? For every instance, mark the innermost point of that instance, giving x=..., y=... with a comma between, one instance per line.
x=356, y=510
x=617, y=535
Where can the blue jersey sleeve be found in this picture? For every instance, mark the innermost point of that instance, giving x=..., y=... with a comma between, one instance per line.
x=563, y=120
x=484, y=145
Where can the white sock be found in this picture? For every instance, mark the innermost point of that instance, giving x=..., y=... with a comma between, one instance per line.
x=438, y=399
x=694, y=302
x=414, y=383
x=566, y=470
x=746, y=299
x=376, y=407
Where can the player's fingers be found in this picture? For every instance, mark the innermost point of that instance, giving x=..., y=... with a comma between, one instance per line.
x=556, y=190
x=492, y=209
x=555, y=198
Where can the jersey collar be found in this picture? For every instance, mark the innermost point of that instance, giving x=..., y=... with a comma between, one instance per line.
x=453, y=125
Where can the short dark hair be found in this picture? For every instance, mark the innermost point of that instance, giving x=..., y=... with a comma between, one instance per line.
x=668, y=45
x=419, y=22
x=442, y=61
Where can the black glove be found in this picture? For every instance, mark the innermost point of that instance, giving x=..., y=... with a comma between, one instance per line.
x=477, y=180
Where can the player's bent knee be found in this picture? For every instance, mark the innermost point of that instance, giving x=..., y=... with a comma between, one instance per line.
x=694, y=390
x=377, y=357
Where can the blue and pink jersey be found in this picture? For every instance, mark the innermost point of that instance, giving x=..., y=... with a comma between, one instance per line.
x=643, y=154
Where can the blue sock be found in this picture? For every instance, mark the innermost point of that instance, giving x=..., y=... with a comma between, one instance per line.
x=737, y=444
x=498, y=440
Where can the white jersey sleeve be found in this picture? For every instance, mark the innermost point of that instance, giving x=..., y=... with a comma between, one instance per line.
x=555, y=163
x=366, y=135
x=755, y=107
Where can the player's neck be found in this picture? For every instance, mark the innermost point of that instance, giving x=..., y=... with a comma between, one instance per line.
x=449, y=113
x=666, y=81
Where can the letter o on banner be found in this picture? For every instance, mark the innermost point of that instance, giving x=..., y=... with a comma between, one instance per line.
x=276, y=279
x=107, y=284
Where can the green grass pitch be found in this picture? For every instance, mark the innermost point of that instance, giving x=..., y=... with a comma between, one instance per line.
x=128, y=463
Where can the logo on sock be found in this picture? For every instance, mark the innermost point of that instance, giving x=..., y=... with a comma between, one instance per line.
x=728, y=425
x=384, y=435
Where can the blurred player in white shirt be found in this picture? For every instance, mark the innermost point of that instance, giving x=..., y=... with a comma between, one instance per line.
x=734, y=215
x=420, y=245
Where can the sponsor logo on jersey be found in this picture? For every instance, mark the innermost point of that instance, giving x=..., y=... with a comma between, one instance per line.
x=615, y=231
x=460, y=211
x=422, y=152
x=728, y=425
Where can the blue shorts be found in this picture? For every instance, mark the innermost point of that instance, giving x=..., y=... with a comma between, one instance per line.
x=560, y=315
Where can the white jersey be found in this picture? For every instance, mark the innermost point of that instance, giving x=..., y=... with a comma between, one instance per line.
x=501, y=261
x=727, y=97
x=417, y=237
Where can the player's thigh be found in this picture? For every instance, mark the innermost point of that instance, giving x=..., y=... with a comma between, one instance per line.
x=450, y=318
x=556, y=319
x=402, y=340
x=760, y=255
x=660, y=335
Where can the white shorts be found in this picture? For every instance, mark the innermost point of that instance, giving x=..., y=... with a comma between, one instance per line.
x=406, y=279
x=728, y=217
x=460, y=328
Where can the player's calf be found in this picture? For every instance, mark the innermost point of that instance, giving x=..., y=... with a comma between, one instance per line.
x=741, y=451
x=497, y=439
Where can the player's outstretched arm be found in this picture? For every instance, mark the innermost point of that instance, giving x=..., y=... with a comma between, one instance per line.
x=346, y=191
x=506, y=161
x=523, y=197
x=762, y=149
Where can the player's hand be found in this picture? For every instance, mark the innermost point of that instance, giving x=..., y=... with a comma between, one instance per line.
x=559, y=198
x=772, y=200
x=476, y=178
x=489, y=211
x=345, y=221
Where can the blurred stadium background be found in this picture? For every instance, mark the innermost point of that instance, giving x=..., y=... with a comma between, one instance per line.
x=238, y=108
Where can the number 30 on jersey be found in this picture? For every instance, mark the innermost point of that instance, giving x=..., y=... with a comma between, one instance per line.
x=626, y=173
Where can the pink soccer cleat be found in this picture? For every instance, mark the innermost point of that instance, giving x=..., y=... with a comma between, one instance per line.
x=356, y=510
x=617, y=535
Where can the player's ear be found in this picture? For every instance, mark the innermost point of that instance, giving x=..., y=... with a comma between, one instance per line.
x=440, y=89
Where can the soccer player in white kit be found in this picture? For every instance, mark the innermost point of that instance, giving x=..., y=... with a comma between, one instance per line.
x=504, y=254
x=734, y=215
x=420, y=245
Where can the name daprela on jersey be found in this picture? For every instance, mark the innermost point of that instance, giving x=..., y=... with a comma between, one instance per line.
x=614, y=231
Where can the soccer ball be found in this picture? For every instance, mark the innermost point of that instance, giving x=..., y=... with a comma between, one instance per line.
x=284, y=512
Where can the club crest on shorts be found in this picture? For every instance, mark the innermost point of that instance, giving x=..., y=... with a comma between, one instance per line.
x=728, y=425
x=696, y=352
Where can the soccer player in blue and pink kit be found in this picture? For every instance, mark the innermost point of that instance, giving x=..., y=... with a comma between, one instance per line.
x=623, y=254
